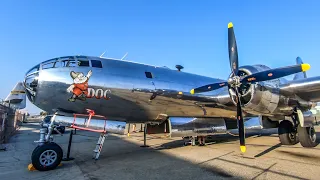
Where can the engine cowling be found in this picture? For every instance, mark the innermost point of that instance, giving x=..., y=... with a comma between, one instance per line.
x=259, y=98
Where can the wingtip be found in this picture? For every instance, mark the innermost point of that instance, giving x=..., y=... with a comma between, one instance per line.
x=305, y=67
x=230, y=25
x=243, y=149
x=192, y=91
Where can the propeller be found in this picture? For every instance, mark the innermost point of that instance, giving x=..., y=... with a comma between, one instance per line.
x=235, y=80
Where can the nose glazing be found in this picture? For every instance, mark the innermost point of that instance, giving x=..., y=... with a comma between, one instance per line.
x=31, y=82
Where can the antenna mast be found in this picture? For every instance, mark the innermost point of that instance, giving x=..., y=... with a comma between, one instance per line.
x=103, y=53
x=124, y=56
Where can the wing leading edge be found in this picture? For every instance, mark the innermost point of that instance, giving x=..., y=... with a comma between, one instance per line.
x=308, y=88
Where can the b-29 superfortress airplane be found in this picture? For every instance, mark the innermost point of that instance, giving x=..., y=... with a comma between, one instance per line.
x=130, y=92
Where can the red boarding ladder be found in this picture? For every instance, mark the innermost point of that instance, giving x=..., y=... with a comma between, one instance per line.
x=103, y=132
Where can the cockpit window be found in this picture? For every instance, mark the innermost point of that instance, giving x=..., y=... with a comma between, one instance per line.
x=64, y=63
x=53, y=63
x=34, y=69
x=83, y=61
x=47, y=65
x=96, y=63
x=72, y=63
x=81, y=57
x=68, y=61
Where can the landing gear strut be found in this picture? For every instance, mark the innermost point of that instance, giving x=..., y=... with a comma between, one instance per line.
x=301, y=130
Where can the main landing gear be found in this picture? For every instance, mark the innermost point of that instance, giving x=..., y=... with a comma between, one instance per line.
x=291, y=133
x=287, y=133
x=307, y=136
x=48, y=155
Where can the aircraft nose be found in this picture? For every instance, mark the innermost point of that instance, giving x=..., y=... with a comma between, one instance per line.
x=31, y=82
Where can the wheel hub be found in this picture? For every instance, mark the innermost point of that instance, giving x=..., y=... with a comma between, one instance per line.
x=48, y=157
x=312, y=133
x=292, y=135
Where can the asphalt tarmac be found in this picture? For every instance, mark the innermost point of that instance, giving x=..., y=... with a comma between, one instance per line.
x=123, y=158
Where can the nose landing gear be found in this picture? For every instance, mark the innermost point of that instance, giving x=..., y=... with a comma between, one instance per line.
x=46, y=156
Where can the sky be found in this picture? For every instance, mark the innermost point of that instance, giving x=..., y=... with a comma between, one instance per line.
x=158, y=32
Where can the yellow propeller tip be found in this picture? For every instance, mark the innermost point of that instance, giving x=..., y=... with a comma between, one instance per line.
x=305, y=67
x=243, y=149
x=192, y=91
x=230, y=25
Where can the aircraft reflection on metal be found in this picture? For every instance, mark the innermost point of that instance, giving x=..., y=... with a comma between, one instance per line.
x=131, y=92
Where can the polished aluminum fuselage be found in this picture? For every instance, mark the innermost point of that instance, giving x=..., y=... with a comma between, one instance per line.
x=129, y=92
x=122, y=90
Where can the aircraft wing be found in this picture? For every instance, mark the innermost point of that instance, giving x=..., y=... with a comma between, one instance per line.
x=307, y=89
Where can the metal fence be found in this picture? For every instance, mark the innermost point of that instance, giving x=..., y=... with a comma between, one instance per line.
x=10, y=120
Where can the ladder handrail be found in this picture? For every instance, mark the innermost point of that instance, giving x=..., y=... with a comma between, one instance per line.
x=90, y=114
x=88, y=129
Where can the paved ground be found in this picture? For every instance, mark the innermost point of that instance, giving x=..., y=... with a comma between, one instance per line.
x=123, y=158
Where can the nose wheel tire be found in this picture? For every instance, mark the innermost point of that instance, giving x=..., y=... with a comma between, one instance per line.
x=47, y=156
x=307, y=136
x=287, y=133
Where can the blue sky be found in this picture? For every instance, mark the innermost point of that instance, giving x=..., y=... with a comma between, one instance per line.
x=159, y=32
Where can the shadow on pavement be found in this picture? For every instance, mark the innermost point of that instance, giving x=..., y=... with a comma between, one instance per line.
x=121, y=158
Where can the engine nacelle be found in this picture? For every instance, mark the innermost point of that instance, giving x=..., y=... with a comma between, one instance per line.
x=259, y=98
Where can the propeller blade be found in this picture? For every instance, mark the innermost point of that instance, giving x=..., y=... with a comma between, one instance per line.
x=209, y=87
x=275, y=73
x=233, y=52
x=240, y=124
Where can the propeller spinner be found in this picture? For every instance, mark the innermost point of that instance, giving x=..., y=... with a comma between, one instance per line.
x=235, y=80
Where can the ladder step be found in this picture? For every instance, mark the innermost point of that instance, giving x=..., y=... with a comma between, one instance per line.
x=99, y=146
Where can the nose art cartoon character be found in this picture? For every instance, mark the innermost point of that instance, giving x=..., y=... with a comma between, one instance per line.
x=79, y=88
